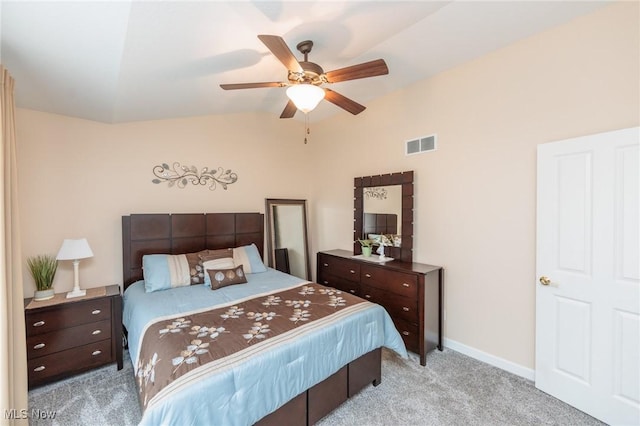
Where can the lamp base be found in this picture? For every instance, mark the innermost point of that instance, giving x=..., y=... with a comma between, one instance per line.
x=76, y=293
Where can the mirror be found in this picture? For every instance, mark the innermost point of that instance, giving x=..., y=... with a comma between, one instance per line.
x=288, y=246
x=383, y=207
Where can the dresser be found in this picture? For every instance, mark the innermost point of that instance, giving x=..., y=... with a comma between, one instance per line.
x=410, y=292
x=68, y=336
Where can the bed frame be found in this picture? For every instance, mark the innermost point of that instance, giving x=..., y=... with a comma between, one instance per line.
x=186, y=233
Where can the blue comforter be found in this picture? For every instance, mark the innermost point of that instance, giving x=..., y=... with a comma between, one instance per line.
x=245, y=393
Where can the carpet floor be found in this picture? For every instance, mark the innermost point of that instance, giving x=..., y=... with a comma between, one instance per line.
x=452, y=389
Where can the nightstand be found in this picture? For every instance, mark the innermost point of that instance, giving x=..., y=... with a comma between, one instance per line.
x=68, y=336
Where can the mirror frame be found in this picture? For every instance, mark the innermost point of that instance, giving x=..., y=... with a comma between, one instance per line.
x=403, y=253
x=270, y=203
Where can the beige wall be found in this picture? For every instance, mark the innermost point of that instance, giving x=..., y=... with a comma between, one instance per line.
x=77, y=178
x=475, y=196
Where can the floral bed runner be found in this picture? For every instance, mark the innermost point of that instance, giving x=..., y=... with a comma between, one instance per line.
x=181, y=350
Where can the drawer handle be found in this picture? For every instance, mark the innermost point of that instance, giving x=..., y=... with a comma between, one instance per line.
x=42, y=367
x=38, y=324
x=405, y=285
x=325, y=282
x=368, y=296
x=94, y=332
x=39, y=346
x=94, y=353
x=406, y=333
x=325, y=265
x=352, y=291
x=404, y=308
x=96, y=312
x=367, y=275
x=352, y=271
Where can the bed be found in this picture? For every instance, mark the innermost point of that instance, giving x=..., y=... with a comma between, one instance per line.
x=273, y=350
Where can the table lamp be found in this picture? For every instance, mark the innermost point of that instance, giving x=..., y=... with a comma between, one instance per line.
x=75, y=250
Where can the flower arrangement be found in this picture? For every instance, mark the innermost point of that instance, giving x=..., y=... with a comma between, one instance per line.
x=367, y=246
x=366, y=243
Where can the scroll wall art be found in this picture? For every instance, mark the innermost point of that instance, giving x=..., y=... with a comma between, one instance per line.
x=181, y=176
x=375, y=193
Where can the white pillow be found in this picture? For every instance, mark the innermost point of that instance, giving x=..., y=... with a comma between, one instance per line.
x=222, y=263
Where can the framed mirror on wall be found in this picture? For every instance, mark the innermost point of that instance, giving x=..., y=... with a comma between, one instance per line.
x=383, y=213
x=287, y=241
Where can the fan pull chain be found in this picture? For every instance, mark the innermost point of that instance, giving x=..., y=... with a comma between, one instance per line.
x=306, y=128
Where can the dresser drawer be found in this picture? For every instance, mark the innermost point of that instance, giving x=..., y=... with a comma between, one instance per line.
x=67, y=315
x=67, y=338
x=340, y=284
x=335, y=266
x=409, y=333
x=397, y=306
x=397, y=282
x=71, y=360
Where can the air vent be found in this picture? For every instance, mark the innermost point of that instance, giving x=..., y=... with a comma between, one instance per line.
x=420, y=145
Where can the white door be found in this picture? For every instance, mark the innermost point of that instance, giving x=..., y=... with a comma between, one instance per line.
x=588, y=256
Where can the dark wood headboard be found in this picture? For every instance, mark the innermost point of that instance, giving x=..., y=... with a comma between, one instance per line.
x=184, y=233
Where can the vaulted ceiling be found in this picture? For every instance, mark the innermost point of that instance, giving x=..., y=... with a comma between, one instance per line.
x=121, y=61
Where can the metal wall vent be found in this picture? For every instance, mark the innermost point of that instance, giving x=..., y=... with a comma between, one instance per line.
x=422, y=144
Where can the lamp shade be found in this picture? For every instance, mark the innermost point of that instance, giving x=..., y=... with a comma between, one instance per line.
x=305, y=96
x=74, y=249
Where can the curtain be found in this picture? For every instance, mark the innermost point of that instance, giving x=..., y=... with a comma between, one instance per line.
x=13, y=354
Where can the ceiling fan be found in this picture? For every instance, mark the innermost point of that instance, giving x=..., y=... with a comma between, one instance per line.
x=306, y=78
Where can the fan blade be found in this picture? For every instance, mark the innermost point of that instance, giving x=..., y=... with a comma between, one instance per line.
x=289, y=110
x=366, y=69
x=343, y=102
x=280, y=50
x=252, y=85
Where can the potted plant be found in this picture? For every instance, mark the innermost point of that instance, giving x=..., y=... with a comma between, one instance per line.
x=366, y=245
x=43, y=270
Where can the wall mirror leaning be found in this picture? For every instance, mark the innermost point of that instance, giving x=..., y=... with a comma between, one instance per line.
x=383, y=208
x=287, y=242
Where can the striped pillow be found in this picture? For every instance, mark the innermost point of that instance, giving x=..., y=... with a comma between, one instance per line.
x=164, y=271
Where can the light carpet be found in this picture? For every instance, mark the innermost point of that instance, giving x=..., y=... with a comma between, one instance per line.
x=452, y=389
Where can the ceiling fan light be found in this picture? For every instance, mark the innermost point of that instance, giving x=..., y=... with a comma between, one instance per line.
x=305, y=96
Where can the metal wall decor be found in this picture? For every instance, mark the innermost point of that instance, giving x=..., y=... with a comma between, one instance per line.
x=376, y=193
x=181, y=176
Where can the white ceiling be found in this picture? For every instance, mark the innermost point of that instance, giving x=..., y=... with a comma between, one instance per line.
x=121, y=61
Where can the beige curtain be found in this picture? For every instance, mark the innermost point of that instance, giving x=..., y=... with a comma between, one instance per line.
x=13, y=356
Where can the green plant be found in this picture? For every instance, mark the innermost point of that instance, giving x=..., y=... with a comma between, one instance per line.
x=43, y=269
x=366, y=243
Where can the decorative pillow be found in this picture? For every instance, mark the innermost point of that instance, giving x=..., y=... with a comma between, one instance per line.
x=216, y=259
x=196, y=270
x=222, y=263
x=249, y=257
x=164, y=271
x=225, y=277
x=215, y=254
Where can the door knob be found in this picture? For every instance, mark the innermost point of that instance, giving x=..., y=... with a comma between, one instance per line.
x=545, y=280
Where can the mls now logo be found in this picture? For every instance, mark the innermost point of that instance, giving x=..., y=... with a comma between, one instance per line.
x=43, y=414
x=14, y=414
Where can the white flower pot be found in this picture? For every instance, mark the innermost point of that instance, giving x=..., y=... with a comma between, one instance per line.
x=43, y=294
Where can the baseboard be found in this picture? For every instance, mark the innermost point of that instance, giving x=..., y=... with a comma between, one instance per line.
x=501, y=363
